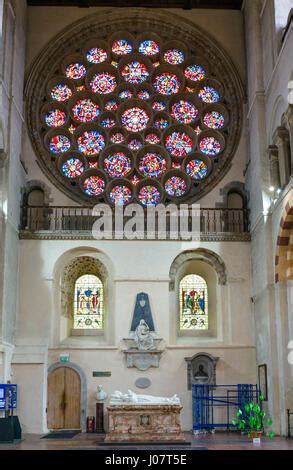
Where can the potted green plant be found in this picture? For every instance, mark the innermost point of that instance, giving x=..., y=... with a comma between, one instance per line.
x=251, y=419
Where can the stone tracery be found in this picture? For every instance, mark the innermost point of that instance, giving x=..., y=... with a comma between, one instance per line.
x=140, y=84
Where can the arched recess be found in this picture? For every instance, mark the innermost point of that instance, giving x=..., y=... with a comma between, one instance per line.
x=211, y=268
x=83, y=391
x=234, y=187
x=75, y=269
x=201, y=254
x=235, y=199
x=36, y=185
x=283, y=309
x=284, y=251
x=68, y=268
x=35, y=205
x=78, y=267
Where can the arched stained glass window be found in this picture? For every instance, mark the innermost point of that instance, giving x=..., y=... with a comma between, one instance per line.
x=193, y=301
x=88, y=303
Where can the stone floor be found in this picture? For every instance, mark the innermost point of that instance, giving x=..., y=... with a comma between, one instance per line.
x=217, y=441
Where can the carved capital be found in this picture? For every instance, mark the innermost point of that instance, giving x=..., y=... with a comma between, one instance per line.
x=280, y=136
x=273, y=153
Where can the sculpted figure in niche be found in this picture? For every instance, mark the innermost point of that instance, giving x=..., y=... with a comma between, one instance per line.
x=143, y=337
x=201, y=375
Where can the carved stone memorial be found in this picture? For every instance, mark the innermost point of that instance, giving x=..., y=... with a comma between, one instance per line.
x=135, y=417
x=143, y=342
x=201, y=369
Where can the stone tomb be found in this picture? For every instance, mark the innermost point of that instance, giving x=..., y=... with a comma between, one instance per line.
x=144, y=422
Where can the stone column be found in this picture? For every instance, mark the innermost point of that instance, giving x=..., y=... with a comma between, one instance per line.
x=12, y=58
x=281, y=140
x=274, y=166
x=3, y=159
x=258, y=175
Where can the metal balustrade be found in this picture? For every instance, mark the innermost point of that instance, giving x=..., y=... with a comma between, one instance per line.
x=81, y=219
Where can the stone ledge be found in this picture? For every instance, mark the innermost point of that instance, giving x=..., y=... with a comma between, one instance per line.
x=151, y=437
x=210, y=346
x=79, y=235
x=121, y=405
x=83, y=347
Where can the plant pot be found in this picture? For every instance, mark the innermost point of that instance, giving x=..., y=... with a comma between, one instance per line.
x=256, y=437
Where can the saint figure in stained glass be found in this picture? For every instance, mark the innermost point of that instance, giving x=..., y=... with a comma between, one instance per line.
x=193, y=303
x=88, y=303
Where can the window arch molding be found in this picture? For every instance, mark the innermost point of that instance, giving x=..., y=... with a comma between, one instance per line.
x=200, y=254
x=136, y=21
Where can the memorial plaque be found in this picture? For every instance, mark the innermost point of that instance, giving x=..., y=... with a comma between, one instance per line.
x=102, y=374
x=143, y=382
x=142, y=311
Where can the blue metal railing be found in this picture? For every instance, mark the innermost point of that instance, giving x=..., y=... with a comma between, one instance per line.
x=208, y=399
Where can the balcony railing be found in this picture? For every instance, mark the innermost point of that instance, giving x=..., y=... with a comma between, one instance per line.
x=69, y=221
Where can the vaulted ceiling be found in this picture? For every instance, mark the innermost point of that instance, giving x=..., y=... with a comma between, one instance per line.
x=185, y=4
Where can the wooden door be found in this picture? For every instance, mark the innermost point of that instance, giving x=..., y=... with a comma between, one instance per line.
x=72, y=399
x=63, y=399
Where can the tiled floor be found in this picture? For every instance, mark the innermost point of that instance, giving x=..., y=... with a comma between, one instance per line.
x=217, y=441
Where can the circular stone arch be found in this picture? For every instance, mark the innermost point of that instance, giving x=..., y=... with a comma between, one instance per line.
x=200, y=254
x=136, y=21
x=284, y=249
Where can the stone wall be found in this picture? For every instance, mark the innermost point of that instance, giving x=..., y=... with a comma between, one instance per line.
x=13, y=32
x=269, y=72
x=133, y=267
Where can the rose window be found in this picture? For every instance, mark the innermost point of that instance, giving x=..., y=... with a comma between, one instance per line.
x=135, y=119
